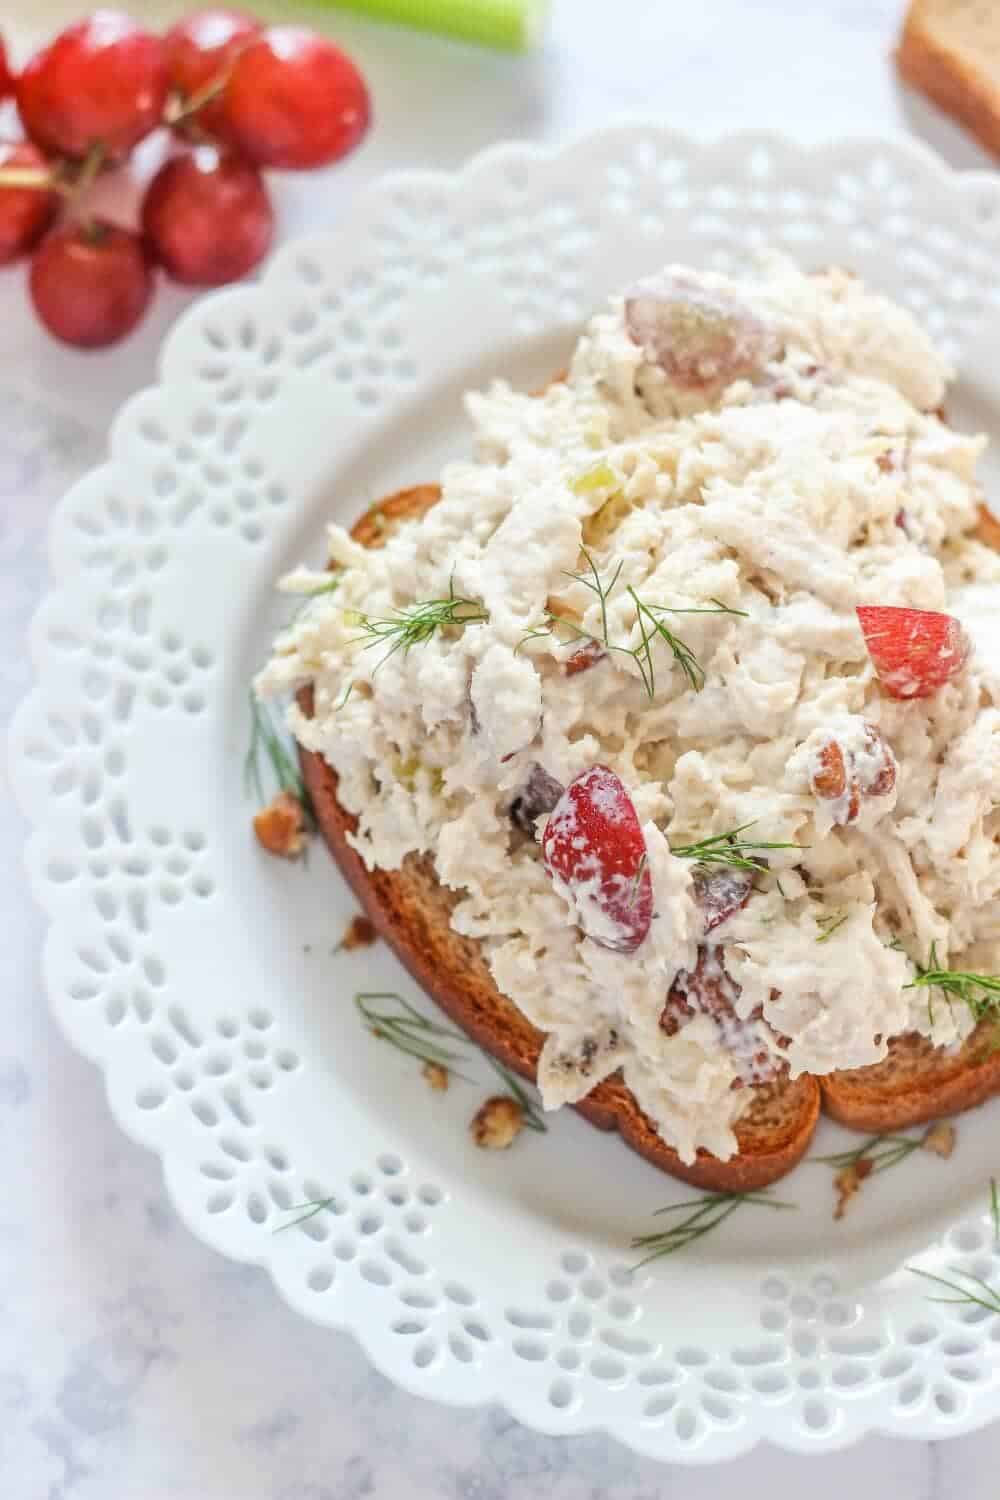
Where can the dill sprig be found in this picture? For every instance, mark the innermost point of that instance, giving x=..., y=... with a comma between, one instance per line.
x=329, y=585
x=640, y=870
x=271, y=747
x=980, y=992
x=831, y=924
x=651, y=627
x=415, y=623
x=702, y=1216
x=410, y=1031
x=970, y=1291
x=649, y=615
x=883, y=1151
x=418, y=1036
x=531, y=1115
x=728, y=849
x=311, y=1207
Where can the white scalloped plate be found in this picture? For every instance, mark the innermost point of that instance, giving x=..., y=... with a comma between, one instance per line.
x=199, y=973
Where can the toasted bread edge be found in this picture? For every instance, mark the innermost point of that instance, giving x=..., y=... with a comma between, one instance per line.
x=877, y=1099
x=940, y=72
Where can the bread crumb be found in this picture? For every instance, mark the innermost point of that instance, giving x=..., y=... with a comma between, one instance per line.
x=940, y=1139
x=281, y=826
x=436, y=1075
x=848, y=1181
x=498, y=1123
x=360, y=934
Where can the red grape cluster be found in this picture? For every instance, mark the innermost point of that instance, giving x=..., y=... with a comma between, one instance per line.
x=236, y=97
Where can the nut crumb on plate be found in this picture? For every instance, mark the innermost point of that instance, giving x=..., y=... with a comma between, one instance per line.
x=940, y=1139
x=360, y=933
x=281, y=826
x=498, y=1123
x=848, y=1181
x=436, y=1075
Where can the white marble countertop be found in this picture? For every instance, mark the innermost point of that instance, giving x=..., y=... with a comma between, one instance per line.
x=133, y=1361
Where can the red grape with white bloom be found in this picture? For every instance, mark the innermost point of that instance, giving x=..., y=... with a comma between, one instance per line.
x=593, y=846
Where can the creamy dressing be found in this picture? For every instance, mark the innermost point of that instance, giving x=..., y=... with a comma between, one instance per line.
x=817, y=479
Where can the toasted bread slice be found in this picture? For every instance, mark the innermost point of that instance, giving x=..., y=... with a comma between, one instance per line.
x=412, y=910
x=950, y=51
x=916, y=1082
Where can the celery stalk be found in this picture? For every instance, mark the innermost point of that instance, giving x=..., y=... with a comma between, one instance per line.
x=514, y=24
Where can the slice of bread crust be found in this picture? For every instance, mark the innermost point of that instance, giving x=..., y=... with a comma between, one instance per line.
x=950, y=51
x=411, y=909
x=916, y=1083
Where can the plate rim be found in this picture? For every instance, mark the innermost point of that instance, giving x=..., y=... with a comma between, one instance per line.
x=493, y=158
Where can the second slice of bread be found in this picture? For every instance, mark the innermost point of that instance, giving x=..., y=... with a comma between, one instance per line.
x=950, y=51
x=915, y=1083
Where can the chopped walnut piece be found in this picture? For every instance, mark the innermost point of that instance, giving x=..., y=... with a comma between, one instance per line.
x=887, y=461
x=360, y=933
x=847, y=1182
x=583, y=657
x=710, y=989
x=878, y=778
x=498, y=1123
x=281, y=826
x=436, y=1075
x=720, y=893
x=830, y=783
x=842, y=777
x=940, y=1139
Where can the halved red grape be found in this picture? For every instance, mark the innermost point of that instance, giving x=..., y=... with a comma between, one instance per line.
x=25, y=212
x=6, y=73
x=91, y=283
x=207, y=217
x=294, y=100
x=200, y=51
x=594, y=846
x=101, y=82
x=914, y=651
x=699, y=333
